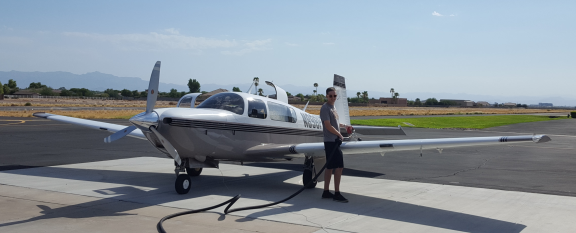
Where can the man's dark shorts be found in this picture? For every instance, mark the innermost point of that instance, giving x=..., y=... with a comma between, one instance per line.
x=338, y=160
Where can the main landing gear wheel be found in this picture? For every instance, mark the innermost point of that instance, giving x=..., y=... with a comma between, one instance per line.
x=307, y=177
x=182, y=184
x=308, y=174
x=193, y=171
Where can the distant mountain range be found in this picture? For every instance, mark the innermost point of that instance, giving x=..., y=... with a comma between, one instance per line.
x=99, y=82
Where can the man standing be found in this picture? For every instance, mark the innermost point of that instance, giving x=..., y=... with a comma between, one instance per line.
x=332, y=141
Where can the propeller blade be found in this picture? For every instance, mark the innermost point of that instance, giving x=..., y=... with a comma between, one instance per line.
x=119, y=134
x=153, y=88
x=171, y=150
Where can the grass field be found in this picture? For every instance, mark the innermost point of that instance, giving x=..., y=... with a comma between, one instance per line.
x=470, y=122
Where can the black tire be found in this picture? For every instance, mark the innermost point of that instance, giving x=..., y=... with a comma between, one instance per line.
x=193, y=171
x=307, y=177
x=183, y=184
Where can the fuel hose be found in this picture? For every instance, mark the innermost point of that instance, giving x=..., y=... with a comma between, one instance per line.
x=233, y=200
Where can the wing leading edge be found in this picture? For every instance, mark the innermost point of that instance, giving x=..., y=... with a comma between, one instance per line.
x=112, y=128
x=381, y=146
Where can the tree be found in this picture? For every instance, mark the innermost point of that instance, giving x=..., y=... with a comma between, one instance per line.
x=12, y=84
x=37, y=85
x=1, y=89
x=144, y=93
x=256, y=81
x=301, y=96
x=112, y=93
x=236, y=89
x=135, y=93
x=417, y=102
x=260, y=92
x=321, y=98
x=431, y=101
x=47, y=91
x=126, y=93
x=316, y=86
x=6, y=89
x=395, y=97
x=194, y=86
x=365, y=95
x=174, y=93
x=288, y=94
x=358, y=95
x=314, y=91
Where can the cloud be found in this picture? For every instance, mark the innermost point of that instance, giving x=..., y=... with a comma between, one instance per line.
x=171, y=40
x=291, y=44
x=452, y=15
x=329, y=43
x=436, y=14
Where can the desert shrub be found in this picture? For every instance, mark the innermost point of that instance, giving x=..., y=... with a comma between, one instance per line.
x=28, y=104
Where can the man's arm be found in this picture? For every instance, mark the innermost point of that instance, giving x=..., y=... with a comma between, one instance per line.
x=332, y=130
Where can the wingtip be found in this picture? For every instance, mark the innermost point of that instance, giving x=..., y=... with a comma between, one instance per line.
x=541, y=138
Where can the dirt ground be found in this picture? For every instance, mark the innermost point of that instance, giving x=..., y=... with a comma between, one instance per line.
x=313, y=109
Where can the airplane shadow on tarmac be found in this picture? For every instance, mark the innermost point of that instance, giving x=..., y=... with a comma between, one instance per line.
x=266, y=187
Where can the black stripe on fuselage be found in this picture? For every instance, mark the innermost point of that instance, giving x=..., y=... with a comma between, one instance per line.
x=244, y=127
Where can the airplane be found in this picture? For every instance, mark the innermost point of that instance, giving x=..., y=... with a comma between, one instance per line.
x=243, y=127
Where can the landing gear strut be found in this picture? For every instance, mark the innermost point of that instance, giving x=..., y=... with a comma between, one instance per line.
x=309, y=171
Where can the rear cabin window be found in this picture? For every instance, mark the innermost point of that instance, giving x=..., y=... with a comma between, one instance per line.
x=225, y=101
x=185, y=102
x=257, y=108
x=279, y=112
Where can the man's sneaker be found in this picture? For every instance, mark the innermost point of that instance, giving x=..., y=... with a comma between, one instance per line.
x=339, y=198
x=327, y=194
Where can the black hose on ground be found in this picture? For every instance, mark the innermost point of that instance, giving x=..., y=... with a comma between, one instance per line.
x=233, y=200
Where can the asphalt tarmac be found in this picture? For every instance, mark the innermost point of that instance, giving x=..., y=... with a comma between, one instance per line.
x=547, y=168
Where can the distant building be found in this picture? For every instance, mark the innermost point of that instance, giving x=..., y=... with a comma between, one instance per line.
x=398, y=102
x=509, y=104
x=482, y=104
x=545, y=105
x=462, y=103
x=26, y=94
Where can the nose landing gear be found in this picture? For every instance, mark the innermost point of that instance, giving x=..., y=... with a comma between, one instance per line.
x=182, y=184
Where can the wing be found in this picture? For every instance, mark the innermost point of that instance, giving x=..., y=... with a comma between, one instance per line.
x=112, y=128
x=382, y=146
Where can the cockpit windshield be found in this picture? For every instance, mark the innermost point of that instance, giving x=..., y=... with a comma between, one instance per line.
x=226, y=101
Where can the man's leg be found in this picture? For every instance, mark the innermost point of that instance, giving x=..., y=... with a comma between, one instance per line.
x=327, y=177
x=337, y=177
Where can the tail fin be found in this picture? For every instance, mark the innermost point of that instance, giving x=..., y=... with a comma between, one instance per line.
x=341, y=103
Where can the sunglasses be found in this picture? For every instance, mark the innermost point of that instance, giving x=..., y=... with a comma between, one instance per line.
x=332, y=96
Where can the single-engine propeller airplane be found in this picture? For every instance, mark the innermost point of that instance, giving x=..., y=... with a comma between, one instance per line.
x=235, y=126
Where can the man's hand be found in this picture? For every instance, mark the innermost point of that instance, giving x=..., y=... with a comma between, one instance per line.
x=349, y=129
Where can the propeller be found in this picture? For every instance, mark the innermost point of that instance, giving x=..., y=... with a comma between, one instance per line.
x=150, y=103
x=119, y=134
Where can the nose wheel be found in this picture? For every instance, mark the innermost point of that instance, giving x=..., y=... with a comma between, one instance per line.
x=182, y=184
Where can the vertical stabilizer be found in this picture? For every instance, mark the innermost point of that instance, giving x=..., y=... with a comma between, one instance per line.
x=342, y=100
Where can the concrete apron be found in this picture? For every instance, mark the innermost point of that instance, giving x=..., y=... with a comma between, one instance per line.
x=376, y=205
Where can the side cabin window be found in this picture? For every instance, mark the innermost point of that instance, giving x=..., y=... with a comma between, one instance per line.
x=185, y=102
x=225, y=101
x=257, y=108
x=279, y=112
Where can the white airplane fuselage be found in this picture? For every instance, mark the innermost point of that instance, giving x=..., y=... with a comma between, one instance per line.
x=222, y=134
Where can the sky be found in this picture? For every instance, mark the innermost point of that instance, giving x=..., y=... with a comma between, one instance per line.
x=489, y=48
